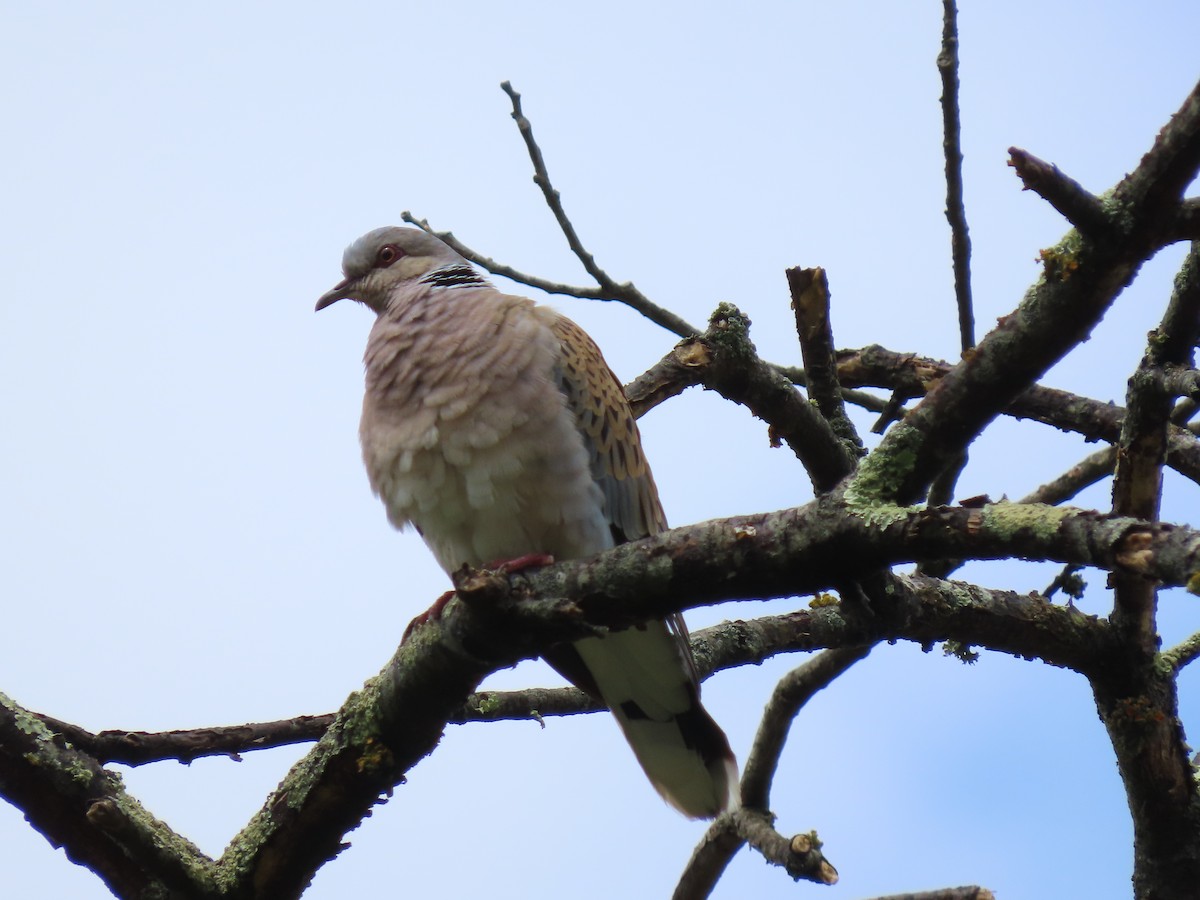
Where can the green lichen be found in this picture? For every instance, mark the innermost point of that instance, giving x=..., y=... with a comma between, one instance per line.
x=168, y=843
x=1060, y=261
x=1007, y=520
x=1119, y=212
x=1193, y=583
x=729, y=329
x=74, y=768
x=880, y=476
x=486, y=703
x=958, y=593
x=960, y=651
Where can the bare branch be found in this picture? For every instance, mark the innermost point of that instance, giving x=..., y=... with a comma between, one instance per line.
x=77, y=805
x=1187, y=221
x=810, y=302
x=609, y=289
x=1077, y=205
x=1152, y=191
x=912, y=376
x=623, y=293
x=136, y=748
x=708, y=861
x=1137, y=486
x=1083, y=474
x=1183, y=653
x=724, y=360
x=800, y=855
x=1081, y=278
x=498, y=268
x=791, y=693
x=971, y=892
x=956, y=213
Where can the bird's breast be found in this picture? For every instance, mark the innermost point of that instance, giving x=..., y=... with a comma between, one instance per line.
x=466, y=435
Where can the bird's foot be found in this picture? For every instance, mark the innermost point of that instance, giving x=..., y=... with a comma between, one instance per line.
x=430, y=615
x=520, y=563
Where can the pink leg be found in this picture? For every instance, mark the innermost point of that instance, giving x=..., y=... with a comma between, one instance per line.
x=430, y=615
x=520, y=563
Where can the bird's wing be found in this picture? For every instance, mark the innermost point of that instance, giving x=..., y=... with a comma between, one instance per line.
x=646, y=675
x=610, y=435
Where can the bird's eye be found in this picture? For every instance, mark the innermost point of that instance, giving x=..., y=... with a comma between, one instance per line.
x=388, y=254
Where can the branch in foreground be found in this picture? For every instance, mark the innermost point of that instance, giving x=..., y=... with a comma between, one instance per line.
x=811, y=548
x=399, y=716
x=924, y=611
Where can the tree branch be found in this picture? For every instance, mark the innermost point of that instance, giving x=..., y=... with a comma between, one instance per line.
x=913, y=376
x=1077, y=205
x=1083, y=474
x=724, y=360
x=1081, y=277
x=83, y=808
x=792, y=692
x=626, y=292
x=970, y=892
x=810, y=302
x=1137, y=484
x=956, y=213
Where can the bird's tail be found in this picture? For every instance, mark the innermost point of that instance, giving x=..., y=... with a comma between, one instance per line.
x=647, y=681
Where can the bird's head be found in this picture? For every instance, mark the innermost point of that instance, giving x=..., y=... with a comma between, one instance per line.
x=382, y=259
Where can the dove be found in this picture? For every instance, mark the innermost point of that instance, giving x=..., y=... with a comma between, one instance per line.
x=493, y=426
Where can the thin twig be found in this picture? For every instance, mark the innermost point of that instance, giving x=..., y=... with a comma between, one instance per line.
x=968, y=892
x=624, y=292
x=609, y=291
x=956, y=213
x=499, y=268
x=1082, y=475
x=791, y=693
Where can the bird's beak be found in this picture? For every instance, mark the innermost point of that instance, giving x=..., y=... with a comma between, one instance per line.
x=339, y=291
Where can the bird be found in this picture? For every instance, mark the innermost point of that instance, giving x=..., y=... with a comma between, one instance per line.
x=493, y=426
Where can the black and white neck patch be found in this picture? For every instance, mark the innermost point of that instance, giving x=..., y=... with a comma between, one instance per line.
x=454, y=276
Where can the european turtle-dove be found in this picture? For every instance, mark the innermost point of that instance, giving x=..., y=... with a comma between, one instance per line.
x=494, y=426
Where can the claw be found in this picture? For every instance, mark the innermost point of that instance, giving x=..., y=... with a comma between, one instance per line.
x=520, y=563
x=430, y=615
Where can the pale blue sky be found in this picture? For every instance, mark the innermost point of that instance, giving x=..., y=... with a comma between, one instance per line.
x=188, y=535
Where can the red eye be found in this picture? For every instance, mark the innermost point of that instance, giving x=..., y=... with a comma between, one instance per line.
x=388, y=254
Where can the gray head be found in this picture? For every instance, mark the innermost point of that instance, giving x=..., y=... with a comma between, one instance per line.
x=384, y=258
